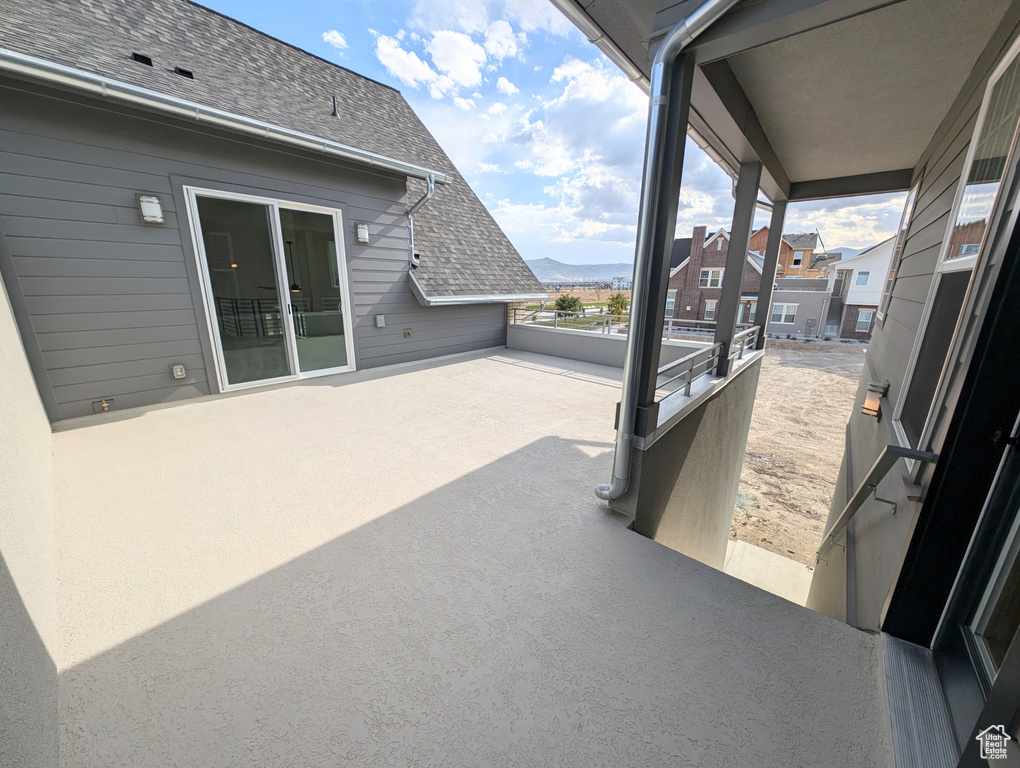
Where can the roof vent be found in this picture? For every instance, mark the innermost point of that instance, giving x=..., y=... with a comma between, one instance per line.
x=141, y=58
x=184, y=73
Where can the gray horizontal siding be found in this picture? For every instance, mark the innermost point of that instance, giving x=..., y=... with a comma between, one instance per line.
x=879, y=539
x=113, y=301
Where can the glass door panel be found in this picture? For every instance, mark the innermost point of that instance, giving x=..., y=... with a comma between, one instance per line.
x=313, y=280
x=238, y=243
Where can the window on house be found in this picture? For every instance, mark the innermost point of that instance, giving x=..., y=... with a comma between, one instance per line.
x=863, y=277
x=711, y=278
x=901, y=240
x=670, y=302
x=797, y=258
x=784, y=313
x=710, y=310
x=973, y=217
x=864, y=320
x=753, y=311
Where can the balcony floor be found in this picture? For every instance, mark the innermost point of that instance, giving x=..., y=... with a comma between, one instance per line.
x=410, y=567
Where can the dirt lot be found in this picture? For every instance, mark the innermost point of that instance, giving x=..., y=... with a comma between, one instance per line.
x=795, y=445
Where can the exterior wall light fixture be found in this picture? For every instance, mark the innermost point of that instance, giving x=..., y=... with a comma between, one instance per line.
x=873, y=401
x=362, y=230
x=150, y=209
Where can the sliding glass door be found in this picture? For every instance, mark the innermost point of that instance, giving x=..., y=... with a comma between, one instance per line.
x=313, y=281
x=275, y=287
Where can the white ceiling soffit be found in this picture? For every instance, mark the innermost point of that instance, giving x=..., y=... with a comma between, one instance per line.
x=866, y=94
x=626, y=24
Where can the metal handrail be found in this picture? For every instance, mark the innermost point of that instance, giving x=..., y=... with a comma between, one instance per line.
x=886, y=461
x=708, y=357
x=743, y=341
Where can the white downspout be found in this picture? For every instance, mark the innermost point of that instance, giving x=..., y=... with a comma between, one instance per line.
x=413, y=258
x=678, y=38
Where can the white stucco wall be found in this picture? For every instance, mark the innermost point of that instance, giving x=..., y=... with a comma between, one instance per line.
x=28, y=619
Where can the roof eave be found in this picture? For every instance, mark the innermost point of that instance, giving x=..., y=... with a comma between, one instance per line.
x=448, y=300
x=59, y=75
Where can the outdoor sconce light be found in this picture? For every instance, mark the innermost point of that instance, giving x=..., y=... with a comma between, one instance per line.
x=873, y=402
x=151, y=209
x=362, y=233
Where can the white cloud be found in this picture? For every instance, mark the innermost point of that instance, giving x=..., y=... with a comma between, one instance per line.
x=474, y=16
x=457, y=56
x=470, y=16
x=500, y=41
x=496, y=109
x=505, y=86
x=538, y=15
x=404, y=65
x=489, y=168
x=335, y=39
x=466, y=104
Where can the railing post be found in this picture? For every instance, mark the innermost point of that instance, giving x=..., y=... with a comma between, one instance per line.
x=768, y=271
x=556, y=319
x=736, y=258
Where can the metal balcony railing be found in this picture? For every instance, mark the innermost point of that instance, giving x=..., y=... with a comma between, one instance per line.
x=601, y=322
x=704, y=362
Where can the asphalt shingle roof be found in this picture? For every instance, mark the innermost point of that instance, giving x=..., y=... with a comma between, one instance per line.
x=243, y=71
x=802, y=241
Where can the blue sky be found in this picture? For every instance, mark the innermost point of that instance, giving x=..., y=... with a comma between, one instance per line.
x=548, y=133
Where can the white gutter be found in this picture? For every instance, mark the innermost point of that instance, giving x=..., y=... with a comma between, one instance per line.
x=454, y=300
x=49, y=72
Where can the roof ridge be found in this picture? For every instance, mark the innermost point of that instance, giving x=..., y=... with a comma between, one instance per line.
x=268, y=36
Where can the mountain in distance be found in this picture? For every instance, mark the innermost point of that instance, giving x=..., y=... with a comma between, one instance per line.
x=550, y=270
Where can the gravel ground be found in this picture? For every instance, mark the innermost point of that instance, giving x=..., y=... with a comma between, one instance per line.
x=795, y=445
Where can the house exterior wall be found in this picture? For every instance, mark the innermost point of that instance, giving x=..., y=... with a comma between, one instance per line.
x=876, y=540
x=28, y=578
x=686, y=280
x=876, y=263
x=810, y=306
x=851, y=314
x=114, y=302
x=684, y=485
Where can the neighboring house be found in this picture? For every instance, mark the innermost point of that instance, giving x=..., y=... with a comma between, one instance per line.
x=695, y=281
x=798, y=306
x=795, y=254
x=857, y=285
x=193, y=207
x=697, y=268
x=622, y=283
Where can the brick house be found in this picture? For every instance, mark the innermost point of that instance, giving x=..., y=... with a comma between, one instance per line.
x=695, y=280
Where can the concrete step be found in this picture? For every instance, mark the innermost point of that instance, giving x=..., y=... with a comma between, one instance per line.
x=767, y=570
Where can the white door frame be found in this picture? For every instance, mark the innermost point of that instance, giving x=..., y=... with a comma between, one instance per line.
x=283, y=291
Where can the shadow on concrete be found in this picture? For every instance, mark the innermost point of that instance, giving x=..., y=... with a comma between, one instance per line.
x=28, y=685
x=489, y=622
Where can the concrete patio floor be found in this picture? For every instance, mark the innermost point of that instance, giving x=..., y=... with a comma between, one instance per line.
x=409, y=567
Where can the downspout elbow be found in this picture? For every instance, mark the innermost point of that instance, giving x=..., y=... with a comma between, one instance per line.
x=412, y=256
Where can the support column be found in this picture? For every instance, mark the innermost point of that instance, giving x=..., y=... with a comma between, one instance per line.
x=662, y=223
x=736, y=258
x=768, y=270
